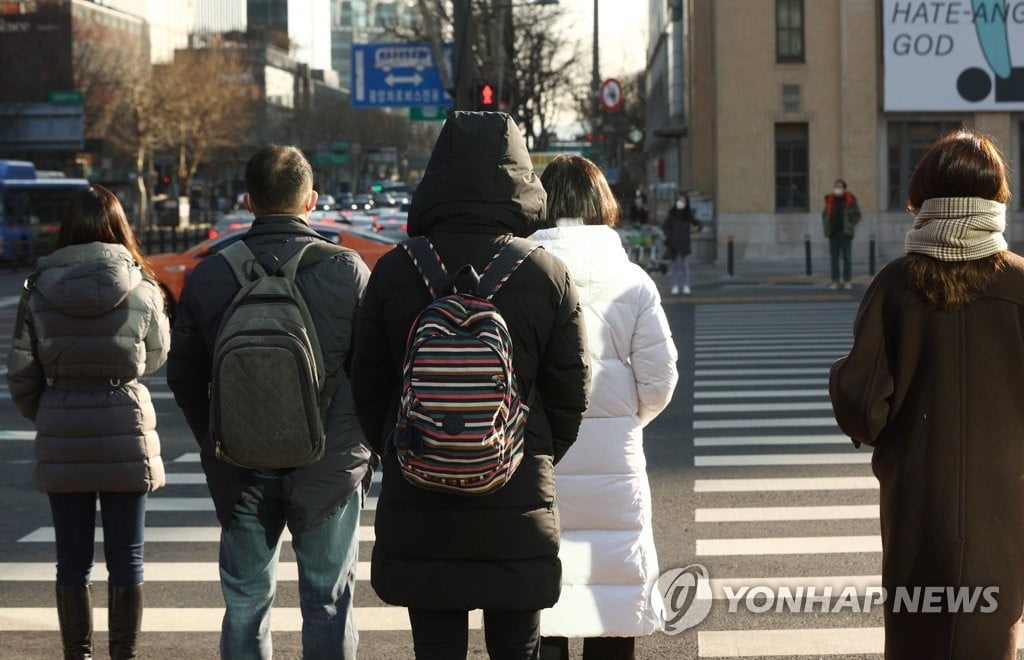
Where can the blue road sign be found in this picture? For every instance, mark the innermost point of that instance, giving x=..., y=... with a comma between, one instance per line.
x=388, y=75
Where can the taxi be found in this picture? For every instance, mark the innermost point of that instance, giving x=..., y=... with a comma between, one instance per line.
x=172, y=269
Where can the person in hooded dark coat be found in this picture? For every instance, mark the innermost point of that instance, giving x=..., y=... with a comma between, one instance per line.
x=439, y=554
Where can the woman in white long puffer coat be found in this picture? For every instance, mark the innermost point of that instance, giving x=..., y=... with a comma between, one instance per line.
x=609, y=563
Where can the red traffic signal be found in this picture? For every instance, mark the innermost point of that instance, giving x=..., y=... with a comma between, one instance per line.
x=486, y=97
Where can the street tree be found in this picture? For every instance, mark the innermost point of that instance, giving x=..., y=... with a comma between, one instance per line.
x=525, y=51
x=203, y=100
x=115, y=77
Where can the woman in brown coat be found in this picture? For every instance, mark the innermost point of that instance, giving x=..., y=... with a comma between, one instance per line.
x=933, y=383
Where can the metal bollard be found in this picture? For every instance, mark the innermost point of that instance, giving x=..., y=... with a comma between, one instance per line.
x=730, y=255
x=871, y=255
x=807, y=255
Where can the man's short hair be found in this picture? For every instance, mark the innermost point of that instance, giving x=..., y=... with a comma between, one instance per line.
x=278, y=178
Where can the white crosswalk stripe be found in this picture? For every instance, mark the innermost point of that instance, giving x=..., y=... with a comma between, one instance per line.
x=762, y=419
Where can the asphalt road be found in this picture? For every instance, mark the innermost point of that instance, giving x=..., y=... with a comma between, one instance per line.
x=750, y=477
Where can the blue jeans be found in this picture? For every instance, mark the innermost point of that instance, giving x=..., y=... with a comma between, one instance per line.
x=680, y=268
x=326, y=556
x=74, y=524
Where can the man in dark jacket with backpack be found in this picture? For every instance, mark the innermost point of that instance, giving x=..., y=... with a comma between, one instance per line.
x=443, y=554
x=319, y=501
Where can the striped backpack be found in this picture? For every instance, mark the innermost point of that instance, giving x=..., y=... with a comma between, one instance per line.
x=462, y=417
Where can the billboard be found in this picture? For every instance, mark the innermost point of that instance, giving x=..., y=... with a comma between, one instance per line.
x=953, y=56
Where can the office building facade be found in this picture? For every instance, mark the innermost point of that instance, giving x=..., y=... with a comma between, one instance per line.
x=783, y=97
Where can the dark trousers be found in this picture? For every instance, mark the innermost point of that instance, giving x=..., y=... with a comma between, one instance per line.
x=74, y=524
x=841, y=245
x=445, y=635
x=594, y=648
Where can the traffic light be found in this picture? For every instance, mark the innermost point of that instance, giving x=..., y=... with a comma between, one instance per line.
x=486, y=97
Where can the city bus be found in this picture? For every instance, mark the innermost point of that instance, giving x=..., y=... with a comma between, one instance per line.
x=32, y=205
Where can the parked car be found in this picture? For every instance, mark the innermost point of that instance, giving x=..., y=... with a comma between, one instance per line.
x=229, y=222
x=172, y=269
x=392, y=219
x=362, y=202
x=326, y=203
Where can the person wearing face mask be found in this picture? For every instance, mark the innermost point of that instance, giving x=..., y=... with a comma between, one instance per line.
x=677, y=227
x=840, y=216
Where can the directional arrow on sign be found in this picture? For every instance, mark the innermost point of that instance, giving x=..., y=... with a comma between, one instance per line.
x=393, y=80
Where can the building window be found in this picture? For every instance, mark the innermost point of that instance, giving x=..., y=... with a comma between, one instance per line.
x=387, y=15
x=789, y=30
x=908, y=141
x=791, y=175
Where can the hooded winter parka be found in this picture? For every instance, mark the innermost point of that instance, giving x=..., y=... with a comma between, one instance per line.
x=937, y=394
x=452, y=552
x=90, y=326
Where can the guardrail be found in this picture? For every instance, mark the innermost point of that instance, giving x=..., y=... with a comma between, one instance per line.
x=155, y=240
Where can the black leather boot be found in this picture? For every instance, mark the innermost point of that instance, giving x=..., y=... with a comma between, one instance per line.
x=74, y=612
x=124, y=620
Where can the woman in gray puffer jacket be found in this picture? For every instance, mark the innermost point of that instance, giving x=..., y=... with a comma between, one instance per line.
x=91, y=322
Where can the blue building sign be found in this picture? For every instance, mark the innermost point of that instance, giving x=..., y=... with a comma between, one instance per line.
x=389, y=75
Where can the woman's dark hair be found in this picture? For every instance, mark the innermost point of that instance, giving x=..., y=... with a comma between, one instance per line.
x=576, y=188
x=960, y=164
x=96, y=216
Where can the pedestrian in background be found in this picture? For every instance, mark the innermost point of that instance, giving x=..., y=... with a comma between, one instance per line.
x=609, y=562
x=91, y=322
x=933, y=384
x=839, y=218
x=320, y=502
x=678, y=226
x=441, y=554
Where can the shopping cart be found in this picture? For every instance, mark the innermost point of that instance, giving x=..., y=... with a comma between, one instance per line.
x=645, y=245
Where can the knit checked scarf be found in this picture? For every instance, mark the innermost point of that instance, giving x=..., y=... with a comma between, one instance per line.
x=958, y=228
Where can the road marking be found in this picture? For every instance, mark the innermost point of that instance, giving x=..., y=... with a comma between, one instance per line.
x=762, y=440
x=783, y=422
x=183, y=478
x=210, y=534
x=760, y=372
x=17, y=435
x=764, y=382
x=734, y=460
x=812, y=357
x=759, y=394
x=6, y=394
x=815, y=642
x=787, y=513
x=784, y=484
x=156, y=571
x=789, y=347
x=761, y=407
x=791, y=545
x=208, y=619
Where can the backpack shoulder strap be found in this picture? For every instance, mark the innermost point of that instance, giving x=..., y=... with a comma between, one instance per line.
x=504, y=263
x=242, y=261
x=427, y=262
